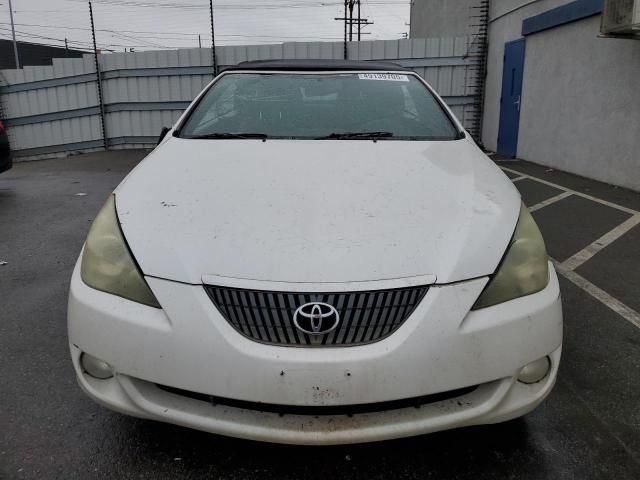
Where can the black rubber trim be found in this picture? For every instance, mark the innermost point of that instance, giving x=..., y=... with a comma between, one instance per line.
x=415, y=402
x=317, y=65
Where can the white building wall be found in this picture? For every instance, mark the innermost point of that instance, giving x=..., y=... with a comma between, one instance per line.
x=580, y=109
x=581, y=103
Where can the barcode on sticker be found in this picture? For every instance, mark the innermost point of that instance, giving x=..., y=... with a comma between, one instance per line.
x=392, y=77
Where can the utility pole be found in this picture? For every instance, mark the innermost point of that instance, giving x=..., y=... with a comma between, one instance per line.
x=66, y=47
x=345, y=19
x=345, y=28
x=13, y=34
x=351, y=5
x=359, y=20
x=98, y=79
x=199, y=42
x=213, y=42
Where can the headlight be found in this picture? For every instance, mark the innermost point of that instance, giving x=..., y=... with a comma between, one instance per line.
x=524, y=269
x=107, y=264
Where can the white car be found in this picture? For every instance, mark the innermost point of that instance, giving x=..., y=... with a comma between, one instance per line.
x=316, y=253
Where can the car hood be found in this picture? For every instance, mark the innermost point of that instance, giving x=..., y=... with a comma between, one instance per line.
x=317, y=212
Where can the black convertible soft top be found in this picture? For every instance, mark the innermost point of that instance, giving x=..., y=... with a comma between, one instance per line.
x=317, y=65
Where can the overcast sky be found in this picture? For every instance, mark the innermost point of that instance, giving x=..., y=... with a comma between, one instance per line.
x=151, y=24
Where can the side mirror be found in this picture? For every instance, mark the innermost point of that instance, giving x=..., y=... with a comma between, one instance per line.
x=163, y=133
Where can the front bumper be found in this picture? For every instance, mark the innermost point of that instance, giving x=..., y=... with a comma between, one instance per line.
x=492, y=402
x=441, y=347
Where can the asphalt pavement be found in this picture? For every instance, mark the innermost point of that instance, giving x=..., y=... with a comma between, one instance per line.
x=589, y=428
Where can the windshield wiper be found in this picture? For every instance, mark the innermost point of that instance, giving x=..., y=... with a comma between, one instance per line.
x=355, y=135
x=224, y=135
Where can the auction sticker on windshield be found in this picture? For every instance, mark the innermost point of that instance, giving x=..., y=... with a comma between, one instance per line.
x=393, y=77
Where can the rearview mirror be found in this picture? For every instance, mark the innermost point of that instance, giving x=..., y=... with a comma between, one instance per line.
x=163, y=133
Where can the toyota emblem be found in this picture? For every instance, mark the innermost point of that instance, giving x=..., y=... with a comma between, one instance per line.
x=316, y=318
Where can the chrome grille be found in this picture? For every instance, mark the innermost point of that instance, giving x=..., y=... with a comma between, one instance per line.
x=268, y=316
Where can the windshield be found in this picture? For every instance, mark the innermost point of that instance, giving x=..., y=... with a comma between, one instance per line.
x=312, y=106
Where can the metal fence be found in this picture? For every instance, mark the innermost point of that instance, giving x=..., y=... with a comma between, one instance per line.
x=54, y=110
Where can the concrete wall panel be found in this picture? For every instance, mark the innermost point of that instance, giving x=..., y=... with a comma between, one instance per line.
x=581, y=105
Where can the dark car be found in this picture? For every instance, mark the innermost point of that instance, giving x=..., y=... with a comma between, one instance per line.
x=5, y=152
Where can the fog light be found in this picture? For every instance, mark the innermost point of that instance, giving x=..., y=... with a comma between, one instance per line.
x=535, y=371
x=95, y=367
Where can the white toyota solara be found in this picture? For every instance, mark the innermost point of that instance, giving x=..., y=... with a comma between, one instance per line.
x=316, y=253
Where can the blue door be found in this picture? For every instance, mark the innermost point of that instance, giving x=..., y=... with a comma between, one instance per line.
x=510, y=99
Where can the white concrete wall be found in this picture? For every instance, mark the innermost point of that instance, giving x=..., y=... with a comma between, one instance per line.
x=580, y=108
x=581, y=103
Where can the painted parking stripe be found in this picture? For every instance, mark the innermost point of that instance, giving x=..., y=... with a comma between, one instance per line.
x=608, y=238
x=549, y=201
x=617, y=306
x=567, y=268
x=574, y=192
x=517, y=179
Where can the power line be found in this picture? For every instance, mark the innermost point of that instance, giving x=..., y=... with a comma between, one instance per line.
x=105, y=46
x=233, y=6
x=34, y=35
x=122, y=13
x=137, y=38
x=168, y=35
x=107, y=30
x=44, y=44
x=86, y=45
